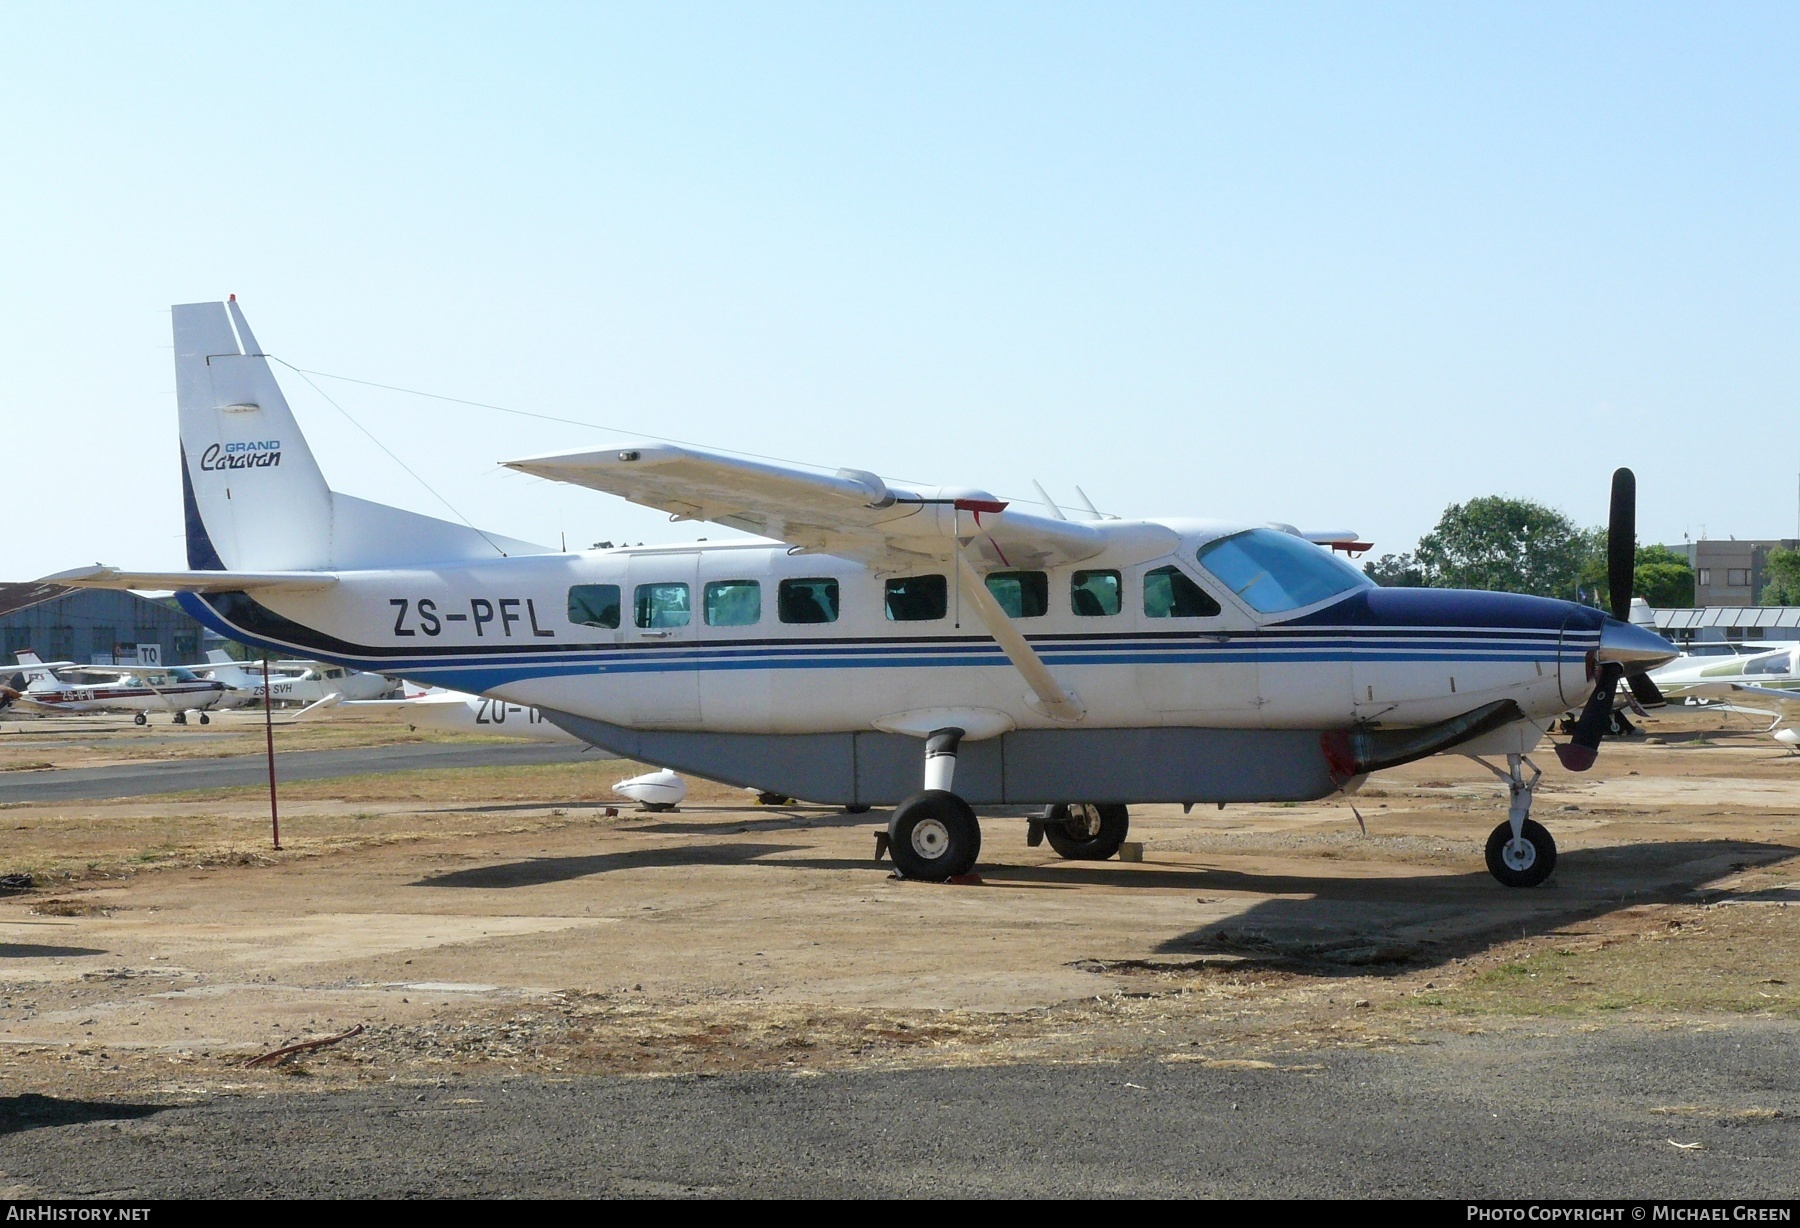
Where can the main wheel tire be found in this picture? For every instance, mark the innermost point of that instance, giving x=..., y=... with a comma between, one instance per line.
x=205, y=719
x=1087, y=831
x=1525, y=864
x=140, y=719
x=934, y=835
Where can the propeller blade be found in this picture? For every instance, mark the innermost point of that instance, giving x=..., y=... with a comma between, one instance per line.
x=1621, y=543
x=1645, y=691
x=1583, y=747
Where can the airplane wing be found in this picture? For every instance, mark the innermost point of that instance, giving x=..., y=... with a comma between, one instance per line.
x=851, y=513
x=1768, y=692
x=100, y=576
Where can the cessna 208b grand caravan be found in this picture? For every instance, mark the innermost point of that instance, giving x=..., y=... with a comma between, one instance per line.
x=930, y=649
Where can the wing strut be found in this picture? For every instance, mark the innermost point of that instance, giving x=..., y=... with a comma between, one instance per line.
x=1058, y=704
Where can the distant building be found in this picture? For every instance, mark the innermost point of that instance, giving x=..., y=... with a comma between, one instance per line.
x=97, y=626
x=1730, y=572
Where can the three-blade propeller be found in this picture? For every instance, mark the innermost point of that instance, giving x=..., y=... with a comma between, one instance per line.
x=1583, y=746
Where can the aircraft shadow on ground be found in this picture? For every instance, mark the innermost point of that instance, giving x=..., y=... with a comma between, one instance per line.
x=31, y=1111
x=34, y=950
x=538, y=871
x=1359, y=927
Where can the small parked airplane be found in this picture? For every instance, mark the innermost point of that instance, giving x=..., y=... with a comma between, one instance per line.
x=138, y=689
x=291, y=682
x=461, y=712
x=880, y=637
x=1775, y=669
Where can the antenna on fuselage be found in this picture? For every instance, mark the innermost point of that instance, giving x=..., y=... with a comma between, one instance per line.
x=1048, y=501
x=1094, y=513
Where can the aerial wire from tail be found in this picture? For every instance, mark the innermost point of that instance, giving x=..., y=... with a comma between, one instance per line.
x=390, y=452
x=305, y=373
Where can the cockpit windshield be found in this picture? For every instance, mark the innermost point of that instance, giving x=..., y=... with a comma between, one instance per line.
x=1274, y=571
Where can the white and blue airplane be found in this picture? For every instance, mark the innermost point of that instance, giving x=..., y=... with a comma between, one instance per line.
x=931, y=649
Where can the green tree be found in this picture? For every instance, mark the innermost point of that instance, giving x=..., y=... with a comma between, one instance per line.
x=1782, y=568
x=1508, y=546
x=1395, y=571
x=1661, y=577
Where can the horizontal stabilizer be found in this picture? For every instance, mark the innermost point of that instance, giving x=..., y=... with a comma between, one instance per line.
x=193, y=581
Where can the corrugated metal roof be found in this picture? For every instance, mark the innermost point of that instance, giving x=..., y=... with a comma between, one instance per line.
x=1728, y=616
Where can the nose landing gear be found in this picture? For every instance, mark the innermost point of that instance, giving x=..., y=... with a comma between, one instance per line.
x=1520, y=852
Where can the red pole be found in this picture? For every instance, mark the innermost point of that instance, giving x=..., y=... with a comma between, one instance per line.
x=269, y=730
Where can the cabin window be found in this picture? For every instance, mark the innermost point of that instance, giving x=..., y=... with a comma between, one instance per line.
x=733, y=603
x=1272, y=571
x=1168, y=593
x=594, y=605
x=1022, y=594
x=812, y=599
x=1093, y=594
x=1774, y=663
x=661, y=605
x=334, y=673
x=917, y=599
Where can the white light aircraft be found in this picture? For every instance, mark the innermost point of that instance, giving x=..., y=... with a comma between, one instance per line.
x=883, y=638
x=461, y=712
x=1774, y=670
x=296, y=682
x=137, y=689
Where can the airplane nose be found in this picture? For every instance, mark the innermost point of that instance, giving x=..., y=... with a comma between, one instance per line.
x=1634, y=647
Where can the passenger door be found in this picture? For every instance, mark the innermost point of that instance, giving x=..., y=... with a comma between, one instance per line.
x=660, y=622
x=1196, y=654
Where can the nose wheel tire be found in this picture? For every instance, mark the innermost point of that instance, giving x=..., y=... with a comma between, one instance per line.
x=1086, y=831
x=1524, y=862
x=140, y=719
x=933, y=836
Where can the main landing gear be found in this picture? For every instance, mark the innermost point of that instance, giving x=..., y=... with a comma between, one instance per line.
x=1085, y=831
x=1520, y=853
x=934, y=835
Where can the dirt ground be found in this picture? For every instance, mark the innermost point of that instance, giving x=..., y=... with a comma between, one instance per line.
x=481, y=921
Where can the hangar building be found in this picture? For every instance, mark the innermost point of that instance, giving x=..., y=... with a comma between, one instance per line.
x=95, y=626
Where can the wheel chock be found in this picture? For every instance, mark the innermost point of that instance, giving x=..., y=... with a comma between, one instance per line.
x=1034, y=833
x=881, y=845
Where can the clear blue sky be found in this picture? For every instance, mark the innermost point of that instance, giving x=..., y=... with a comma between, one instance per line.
x=1339, y=266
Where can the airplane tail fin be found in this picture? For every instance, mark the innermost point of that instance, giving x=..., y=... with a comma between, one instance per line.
x=254, y=495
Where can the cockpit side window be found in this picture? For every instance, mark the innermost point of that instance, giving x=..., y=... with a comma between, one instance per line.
x=1272, y=571
x=1168, y=593
x=1774, y=663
